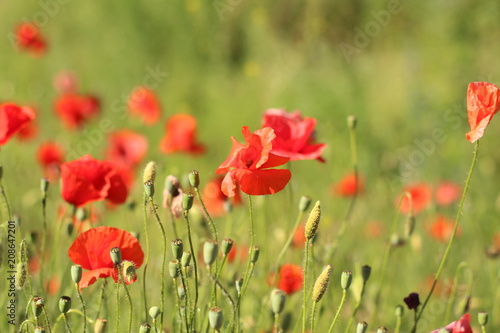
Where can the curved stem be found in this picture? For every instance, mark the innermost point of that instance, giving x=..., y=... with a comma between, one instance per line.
x=336, y=318
x=453, y=291
x=207, y=215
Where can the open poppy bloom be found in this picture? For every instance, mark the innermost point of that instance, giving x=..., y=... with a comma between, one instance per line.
x=460, y=326
x=248, y=165
x=29, y=38
x=144, y=103
x=13, y=119
x=349, y=186
x=86, y=180
x=50, y=156
x=91, y=251
x=291, y=278
x=127, y=148
x=180, y=136
x=483, y=101
x=74, y=110
x=215, y=199
x=421, y=197
x=447, y=193
x=294, y=135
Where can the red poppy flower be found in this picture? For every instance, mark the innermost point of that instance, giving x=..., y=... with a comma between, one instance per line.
x=181, y=136
x=347, y=186
x=442, y=228
x=421, y=197
x=91, y=250
x=294, y=135
x=291, y=278
x=86, y=180
x=127, y=148
x=248, y=165
x=483, y=101
x=50, y=155
x=144, y=103
x=460, y=326
x=13, y=119
x=215, y=199
x=28, y=133
x=29, y=38
x=237, y=252
x=74, y=110
x=447, y=193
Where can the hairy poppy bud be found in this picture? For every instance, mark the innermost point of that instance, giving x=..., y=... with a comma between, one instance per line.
x=154, y=312
x=312, y=223
x=321, y=284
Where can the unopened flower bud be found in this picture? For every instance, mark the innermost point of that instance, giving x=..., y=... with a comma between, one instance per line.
x=352, y=121
x=304, y=203
x=177, y=248
x=64, y=304
x=227, y=245
x=228, y=206
x=187, y=201
x=399, y=311
x=76, y=273
x=44, y=186
x=210, y=249
x=278, y=299
x=37, y=306
x=81, y=214
x=482, y=318
x=312, y=223
x=365, y=272
x=21, y=274
x=254, y=254
x=215, y=318
x=362, y=327
x=410, y=225
x=194, y=178
x=172, y=185
x=100, y=325
x=116, y=255
x=346, y=279
x=321, y=284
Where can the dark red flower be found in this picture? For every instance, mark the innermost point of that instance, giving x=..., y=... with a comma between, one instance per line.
x=91, y=251
x=74, y=110
x=460, y=326
x=442, y=228
x=421, y=197
x=447, y=193
x=349, y=186
x=180, y=136
x=412, y=301
x=294, y=135
x=248, y=165
x=483, y=101
x=86, y=180
x=29, y=38
x=127, y=148
x=144, y=103
x=50, y=155
x=215, y=199
x=13, y=119
x=291, y=278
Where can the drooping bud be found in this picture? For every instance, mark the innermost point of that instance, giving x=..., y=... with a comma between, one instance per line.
x=210, y=250
x=365, y=273
x=116, y=255
x=399, y=311
x=194, y=178
x=76, y=273
x=37, y=306
x=346, y=279
x=321, y=284
x=312, y=223
x=64, y=304
x=177, y=248
x=215, y=318
x=172, y=185
x=278, y=299
x=410, y=225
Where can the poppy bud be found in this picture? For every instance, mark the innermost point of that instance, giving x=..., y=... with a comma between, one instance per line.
x=227, y=245
x=187, y=201
x=399, y=311
x=173, y=269
x=482, y=318
x=81, y=214
x=172, y=185
x=362, y=327
x=100, y=325
x=312, y=223
x=239, y=285
x=186, y=258
x=177, y=248
x=21, y=274
x=39, y=329
x=128, y=271
x=145, y=328
x=321, y=284
x=194, y=178
x=410, y=225
x=304, y=203
x=381, y=329
x=215, y=318
x=278, y=299
x=64, y=304
x=352, y=121
x=464, y=305
x=149, y=174
x=210, y=249
x=255, y=254
x=365, y=272
x=44, y=186
x=69, y=228
x=154, y=312
x=76, y=273
x=37, y=306
x=116, y=255
x=346, y=279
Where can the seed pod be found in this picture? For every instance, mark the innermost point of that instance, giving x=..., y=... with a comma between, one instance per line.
x=482, y=318
x=346, y=279
x=362, y=327
x=177, y=248
x=76, y=273
x=255, y=254
x=194, y=178
x=145, y=328
x=210, y=250
x=215, y=318
x=154, y=312
x=173, y=269
x=64, y=304
x=187, y=201
x=116, y=255
x=186, y=258
x=227, y=245
x=278, y=299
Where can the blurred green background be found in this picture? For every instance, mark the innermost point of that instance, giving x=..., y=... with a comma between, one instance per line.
x=404, y=75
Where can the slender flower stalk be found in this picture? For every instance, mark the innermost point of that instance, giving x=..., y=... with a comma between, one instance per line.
x=248, y=271
x=44, y=186
x=345, y=282
x=76, y=276
x=399, y=314
x=193, y=257
x=304, y=286
x=365, y=273
x=146, y=260
x=453, y=291
x=452, y=238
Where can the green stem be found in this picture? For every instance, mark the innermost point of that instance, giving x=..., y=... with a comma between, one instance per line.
x=304, y=302
x=83, y=308
x=452, y=238
x=276, y=322
x=6, y=203
x=117, y=307
x=66, y=322
x=195, y=266
x=44, y=239
x=146, y=260
x=356, y=308
x=453, y=291
x=313, y=314
x=207, y=215
x=249, y=271
x=47, y=322
x=101, y=297
x=336, y=318
x=398, y=325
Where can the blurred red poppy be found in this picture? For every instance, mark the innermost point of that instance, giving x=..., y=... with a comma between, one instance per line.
x=248, y=165
x=421, y=197
x=13, y=119
x=86, y=180
x=299, y=237
x=239, y=253
x=66, y=82
x=74, y=110
x=91, y=250
x=215, y=199
x=30, y=131
x=349, y=186
x=460, y=326
x=447, y=193
x=483, y=101
x=144, y=103
x=294, y=135
x=50, y=156
x=180, y=136
x=30, y=38
x=442, y=228
x=291, y=278
x=127, y=148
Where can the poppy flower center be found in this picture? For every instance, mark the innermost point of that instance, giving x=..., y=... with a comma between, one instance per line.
x=248, y=163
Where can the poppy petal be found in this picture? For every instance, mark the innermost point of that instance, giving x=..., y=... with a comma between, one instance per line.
x=260, y=182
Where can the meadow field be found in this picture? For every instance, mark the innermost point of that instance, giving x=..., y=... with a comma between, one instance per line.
x=383, y=86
